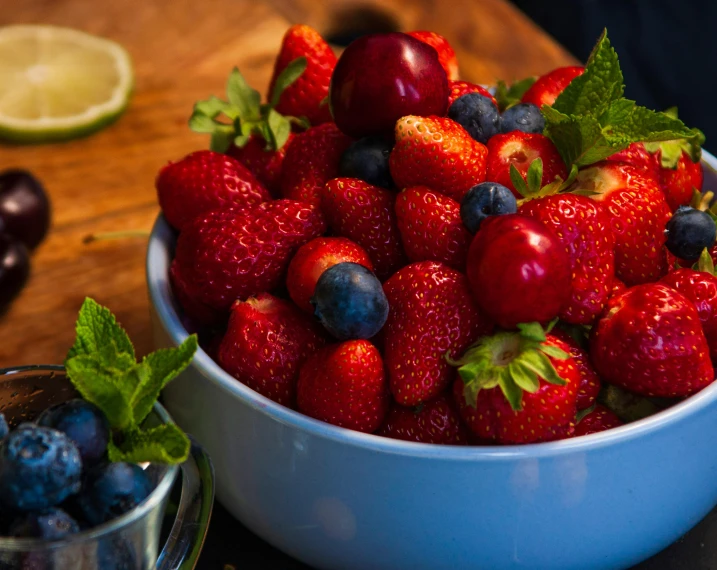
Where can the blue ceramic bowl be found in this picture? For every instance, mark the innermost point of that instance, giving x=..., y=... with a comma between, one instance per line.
x=340, y=499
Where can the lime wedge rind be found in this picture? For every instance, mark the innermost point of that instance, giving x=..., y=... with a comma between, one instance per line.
x=95, y=116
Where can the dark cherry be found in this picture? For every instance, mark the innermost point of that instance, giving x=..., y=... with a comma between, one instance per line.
x=14, y=268
x=380, y=78
x=24, y=207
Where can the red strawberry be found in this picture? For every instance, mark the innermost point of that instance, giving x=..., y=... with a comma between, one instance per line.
x=305, y=96
x=431, y=314
x=583, y=227
x=700, y=287
x=650, y=342
x=345, y=385
x=446, y=55
x=365, y=214
x=506, y=403
x=638, y=214
x=204, y=181
x=636, y=154
x=196, y=314
x=617, y=287
x=547, y=87
x=521, y=149
x=519, y=271
x=311, y=160
x=436, y=152
x=315, y=257
x=460, y=88
x=266, y=342
x=228, y=255
x=678, y=179
x=589, y=381
x=597, y=420
x=436, y=421
x=431, y=227
x=262, y=163
x=674, y=263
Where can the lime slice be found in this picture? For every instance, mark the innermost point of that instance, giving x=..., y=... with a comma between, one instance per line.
x=59, y=83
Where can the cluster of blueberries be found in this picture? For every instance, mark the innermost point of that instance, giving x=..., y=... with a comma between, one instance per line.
x=55, y=480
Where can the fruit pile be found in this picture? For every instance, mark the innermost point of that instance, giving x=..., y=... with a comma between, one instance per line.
x=77, y=465
x=24, y=221
x=389, y=249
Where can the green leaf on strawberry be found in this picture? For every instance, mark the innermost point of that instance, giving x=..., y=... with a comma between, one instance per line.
x=103, y=368
x=507, y=97
x=514, y=361
x=242, y=115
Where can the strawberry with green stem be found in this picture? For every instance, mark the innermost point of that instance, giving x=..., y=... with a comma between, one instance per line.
x=518, y=387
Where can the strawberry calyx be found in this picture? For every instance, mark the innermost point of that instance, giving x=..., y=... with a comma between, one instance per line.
x=671, y=151
x=509, y=96
x=514, y=361
x=705, y=263
x=530, y=186
x=242, y=115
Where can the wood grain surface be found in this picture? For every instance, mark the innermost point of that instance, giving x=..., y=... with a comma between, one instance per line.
x=182, y=51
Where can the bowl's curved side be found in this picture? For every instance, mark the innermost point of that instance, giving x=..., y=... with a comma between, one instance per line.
x=338, y=499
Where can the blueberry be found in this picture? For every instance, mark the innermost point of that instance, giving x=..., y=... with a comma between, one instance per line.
x=688, y=232
x=84, y=423
x=39, y=468
x=477, y=114
x=110, y=490
x=524, y=117
x=4, y=428
x=483, y=200
x=350, y=302
x=367, y=160
x=49, y=524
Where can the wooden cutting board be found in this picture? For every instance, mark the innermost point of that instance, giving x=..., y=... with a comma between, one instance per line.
x=183, y=51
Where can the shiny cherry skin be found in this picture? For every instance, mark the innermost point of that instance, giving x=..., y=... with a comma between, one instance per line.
x=24, y=207
x=14, y=268
x=518, y=270
x=380, y=78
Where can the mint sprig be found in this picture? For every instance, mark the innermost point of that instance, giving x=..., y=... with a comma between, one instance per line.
x=242, y=115
x=103, y=368
x=591, y=120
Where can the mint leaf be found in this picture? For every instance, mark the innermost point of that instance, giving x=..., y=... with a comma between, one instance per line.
x=162, y=444
x=600, y=85
x=579, y=139
x=617, y=112
x=97, y=329
x=242, y=97
x=646, y=125
x=507, y=97
x=162, y=366
x=290, y=73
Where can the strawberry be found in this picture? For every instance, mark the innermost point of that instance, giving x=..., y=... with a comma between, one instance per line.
x=267, y=341
x=616, y=287
x=589, y=381
x=227, y=255
x=446, y=54
x=518, y=270
x=518, y=387
x=431, y=227
x=365, y=214
x=636, y=154
x=435, y=421
x=638, y=214
x=678, y=179
x=305, y=97
x=311, y=160
x=436, y=152
x=204, y=181
x=431, y=314
x=650, y=342
x=596, y=420
x=547, y=87
x=583, y=227
x=345, y=385
x=700, y=287
x=315, y=257
x=460, y=88
x=262, y=163
x=520, y=150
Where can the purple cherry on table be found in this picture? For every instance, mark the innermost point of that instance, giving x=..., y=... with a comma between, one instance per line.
x=380, y=78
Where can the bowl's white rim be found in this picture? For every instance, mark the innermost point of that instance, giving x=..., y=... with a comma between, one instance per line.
x=159, y=256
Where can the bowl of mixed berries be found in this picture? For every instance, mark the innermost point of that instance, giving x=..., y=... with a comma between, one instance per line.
x=89, y=459
x=443, y=325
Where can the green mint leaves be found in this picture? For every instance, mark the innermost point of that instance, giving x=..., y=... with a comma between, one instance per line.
x=242, y=115
x=507, y=97
x=103, y=368
x=590, y=119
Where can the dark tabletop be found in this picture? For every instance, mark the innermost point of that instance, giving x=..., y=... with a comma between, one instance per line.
x=230, y=544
